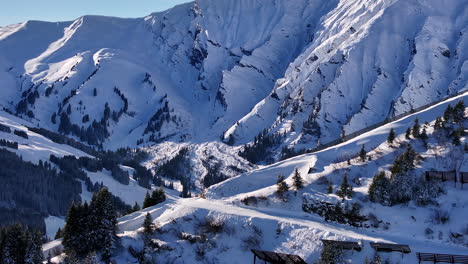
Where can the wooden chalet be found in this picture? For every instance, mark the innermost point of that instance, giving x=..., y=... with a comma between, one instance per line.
x=276, y=258
x=345, y=245
x=386, y=247
x=441, y=175
x=442, y=258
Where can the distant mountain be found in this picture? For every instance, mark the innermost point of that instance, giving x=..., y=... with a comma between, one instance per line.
x=310, y=70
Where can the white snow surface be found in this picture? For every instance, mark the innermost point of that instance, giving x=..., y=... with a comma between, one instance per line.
x=285, y=227
x=236, y=67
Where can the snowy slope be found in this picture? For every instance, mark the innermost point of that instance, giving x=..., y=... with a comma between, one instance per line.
x=377, y=59
x=218, y=68
x=38, y=148
x=274, y=224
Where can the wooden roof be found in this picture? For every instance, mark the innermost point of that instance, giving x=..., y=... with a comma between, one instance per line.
x=390, y=247
x=277, y=258
x=348, y=245
x=434, y=257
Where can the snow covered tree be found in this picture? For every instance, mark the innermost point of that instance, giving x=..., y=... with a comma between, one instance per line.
x=92, y=258
x=408, y=133
x=104, y=222
x=379, y=190
x=72, y=230
x=439, y=124
x=448, y=114
x=282, y=187
x=33, y=251
x=416, y=128
x=423, y=135
x=147, y=202
x=136, y=207
x=157, y=196
x=401, y=189
x=330, y=187
x=406, y=162
x=298, y=182
x=14, y=245
x=362, y=153
x=148, y=226
x=391, y=136
x=346, y=190
x=459, y=112
x=331, y=255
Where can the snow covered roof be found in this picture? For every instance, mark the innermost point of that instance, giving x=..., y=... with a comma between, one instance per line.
x=390, y=247
x=277, y=258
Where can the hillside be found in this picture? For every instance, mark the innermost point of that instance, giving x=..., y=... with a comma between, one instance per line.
x=223, y=102
x=246, y=211
x=207, y=66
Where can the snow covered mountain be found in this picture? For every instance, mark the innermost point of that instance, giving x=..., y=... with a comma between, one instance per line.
x=210, y=87
x=212, y=69
x=247, y=211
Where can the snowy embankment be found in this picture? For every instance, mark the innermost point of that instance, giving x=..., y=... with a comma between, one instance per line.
x=283, y=226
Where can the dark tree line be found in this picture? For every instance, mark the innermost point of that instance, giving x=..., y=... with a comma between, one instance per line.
x=178, y=168
x=19, y=245
x=91, y=228
x=214, y=174
x=34, y=191
x=259, y=150
x=28, y=98
x=94, y=134
x=4, y=128
x=156, y=197
x=403, y=186
x=21, y=133
x=159, y=118
x=8, y=144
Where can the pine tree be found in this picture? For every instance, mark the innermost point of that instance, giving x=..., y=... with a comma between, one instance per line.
x=459, y=112
x=148, y=226
x=439, y=124
x=424, y=136
x=104, y=222
x=71, y=231
x=408, y=133
x=330, y=187
x=362, y=153
x=59, y=234
x=379, y=189
x=391, y=136
x=158, y=196
x=14, y=245
x=282, y=187
x=148, y=201
x=346, y=190
x=298, y=181
x=136, y=207
x=405, y=162
x=33, y=252
x=416, y=128
x=331, y=255
x=448, y=114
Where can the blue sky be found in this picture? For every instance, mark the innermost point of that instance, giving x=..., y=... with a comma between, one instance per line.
x=15, y=11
